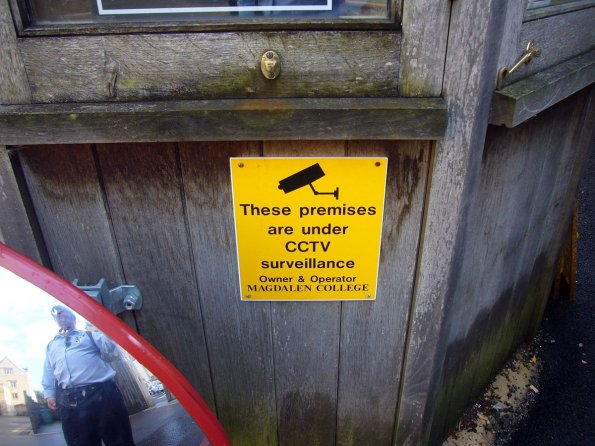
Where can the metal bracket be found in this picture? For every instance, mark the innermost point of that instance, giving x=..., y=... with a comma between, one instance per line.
x=117, y=300
x=530, y=53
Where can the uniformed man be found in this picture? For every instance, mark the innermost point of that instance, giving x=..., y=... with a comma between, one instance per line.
x=78, y=381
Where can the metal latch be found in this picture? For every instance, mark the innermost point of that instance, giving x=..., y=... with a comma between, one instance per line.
x=117, y=300
x=530, y=53
x=270, y=65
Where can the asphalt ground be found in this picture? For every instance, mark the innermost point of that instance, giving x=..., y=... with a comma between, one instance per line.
x=563, y=413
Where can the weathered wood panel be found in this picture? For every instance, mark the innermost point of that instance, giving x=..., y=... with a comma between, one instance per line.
x=74, y=221
x=210, y=65
x=583, y=144
x=306, y=345
x=558, y=37
x=238, y=334
x=515, y=226
x=373, y=334
x=564, y=171
x=524, y=99
x=72, y=214
x=14, y=88
x=479, y=326
x=472, y=54
x=231, y=120
x=15, y=228
x=143, y=191
x=424, y=47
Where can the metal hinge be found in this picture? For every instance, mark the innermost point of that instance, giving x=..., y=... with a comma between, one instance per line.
x=117, y=300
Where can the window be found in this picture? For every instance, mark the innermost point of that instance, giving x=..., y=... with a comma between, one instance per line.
x=42, y=12
x=15, y=396
x=7, y=371
x=538, y=9
x=12, y=383
x=534, y=4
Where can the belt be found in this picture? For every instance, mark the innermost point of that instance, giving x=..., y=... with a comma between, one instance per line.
x=72, y=396
x=84, y=388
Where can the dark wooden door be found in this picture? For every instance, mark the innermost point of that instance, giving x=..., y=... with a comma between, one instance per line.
x=159, y=216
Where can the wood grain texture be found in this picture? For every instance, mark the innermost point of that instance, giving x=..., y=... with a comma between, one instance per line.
x=143, y=191
x=210, y=65
x=231, y=120
x=373, y=334
x=549, y=176
x=524, y=99
x=472, y=56
x=15, y=228
x=425, y=33
x=306, y=345
x=238, y=334
x=559, y=38
x=574, y=119
x=14, y=88
x=74, y=220
x=511, y=233
x=582, y=142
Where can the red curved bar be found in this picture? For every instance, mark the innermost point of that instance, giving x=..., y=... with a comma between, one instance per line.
x=122, y=334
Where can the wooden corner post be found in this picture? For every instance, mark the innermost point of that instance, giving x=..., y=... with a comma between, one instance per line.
x=474, y=35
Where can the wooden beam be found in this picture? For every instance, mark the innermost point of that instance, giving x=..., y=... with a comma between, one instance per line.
x=474, y=40
x=514, y=104
x=232, y=120
x=424, y=47
x=191, y=66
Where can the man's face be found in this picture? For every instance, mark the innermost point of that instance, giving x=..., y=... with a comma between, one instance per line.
x=65, y=320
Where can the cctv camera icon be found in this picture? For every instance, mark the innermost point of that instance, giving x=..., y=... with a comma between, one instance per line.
x=303, y=178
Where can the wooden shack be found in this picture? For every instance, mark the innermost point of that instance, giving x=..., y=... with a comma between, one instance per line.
x=116, y=130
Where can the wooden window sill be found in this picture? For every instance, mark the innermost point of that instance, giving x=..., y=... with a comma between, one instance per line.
x=515, y=103
x=224, y=120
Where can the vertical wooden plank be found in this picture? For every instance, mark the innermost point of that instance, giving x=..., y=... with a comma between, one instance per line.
x=73, y=218
x=373, y=334
x=15, y=228
x=306, y=345
x=574, y=120
x=423, y=50
x=14, y=88
x=143, y=189
x=555, y=129
x=238, y=333
x=472, y=56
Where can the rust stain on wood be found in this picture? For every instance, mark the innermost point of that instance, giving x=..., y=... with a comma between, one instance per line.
x=408, y=174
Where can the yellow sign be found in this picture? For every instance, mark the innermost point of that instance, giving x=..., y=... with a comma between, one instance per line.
x=308, y=228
